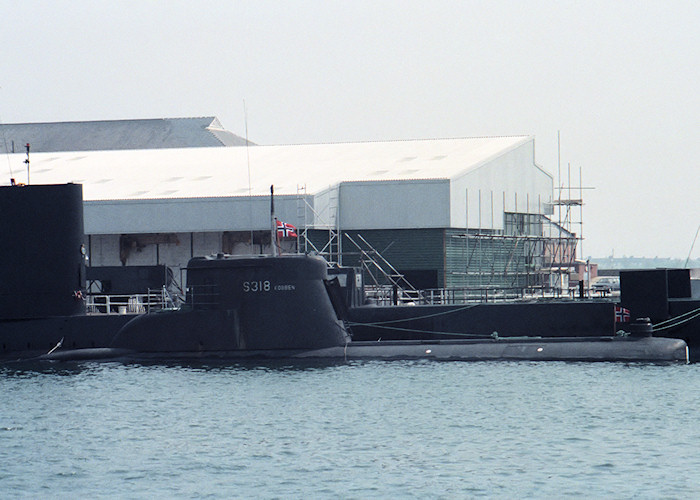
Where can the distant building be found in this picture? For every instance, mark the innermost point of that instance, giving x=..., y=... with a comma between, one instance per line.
x=116, y=135
x=444, y=213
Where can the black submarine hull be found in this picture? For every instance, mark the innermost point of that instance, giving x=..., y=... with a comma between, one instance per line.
x=648, y=349
x=288, y=310
x=660, y=297
x=665, y=296
x=566, y=349
x=559, y=318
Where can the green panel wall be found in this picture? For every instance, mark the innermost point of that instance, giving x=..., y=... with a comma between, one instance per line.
x=482, y=263
x=485, y=262
x=405, y=249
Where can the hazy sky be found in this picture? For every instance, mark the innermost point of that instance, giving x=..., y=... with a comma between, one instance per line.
x=619, y=80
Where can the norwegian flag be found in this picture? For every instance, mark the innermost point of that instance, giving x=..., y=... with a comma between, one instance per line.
x=622, y=315
x=286, y=230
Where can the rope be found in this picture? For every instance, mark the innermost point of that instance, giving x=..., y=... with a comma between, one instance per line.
x=444, y=313
x=695, y=314
x=678, y=317
x=470, y=335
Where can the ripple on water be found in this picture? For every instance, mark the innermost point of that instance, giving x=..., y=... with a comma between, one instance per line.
x=358, y=430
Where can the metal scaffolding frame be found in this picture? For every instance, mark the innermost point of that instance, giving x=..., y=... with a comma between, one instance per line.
x=532, y=252
x=494, y=259
x=539, y=257
x=332, y=247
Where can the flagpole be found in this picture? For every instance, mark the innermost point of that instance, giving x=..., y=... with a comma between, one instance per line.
x=273, y=223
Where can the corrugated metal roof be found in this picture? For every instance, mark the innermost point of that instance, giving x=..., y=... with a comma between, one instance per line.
x=117, y=135
x=217, y=172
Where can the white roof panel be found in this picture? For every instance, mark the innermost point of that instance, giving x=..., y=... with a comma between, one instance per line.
x=217, y=172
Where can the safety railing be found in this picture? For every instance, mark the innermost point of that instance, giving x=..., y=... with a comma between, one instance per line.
x=385, y=295
x=139, y=303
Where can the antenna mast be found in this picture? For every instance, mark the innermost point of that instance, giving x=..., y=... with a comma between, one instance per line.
x=692, y=246
x=273, y=223
x=27, y=163
x=250, y=187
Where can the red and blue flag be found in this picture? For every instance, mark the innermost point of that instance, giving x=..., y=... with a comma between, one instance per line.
x=622, y=315
x=286, y=230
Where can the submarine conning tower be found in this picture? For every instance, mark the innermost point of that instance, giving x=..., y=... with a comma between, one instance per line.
x=279, y=302
x=41, y=250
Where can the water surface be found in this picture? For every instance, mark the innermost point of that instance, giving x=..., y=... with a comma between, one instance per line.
x=412, y=429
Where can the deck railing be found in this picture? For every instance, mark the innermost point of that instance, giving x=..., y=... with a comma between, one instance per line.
x=385, y=295
x=138, y=303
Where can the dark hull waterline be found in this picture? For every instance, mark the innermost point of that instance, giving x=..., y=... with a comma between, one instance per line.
x=648, y=349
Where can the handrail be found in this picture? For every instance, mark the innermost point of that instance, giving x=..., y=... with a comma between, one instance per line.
x=154, y=300
x=136, y=303
x=386, y=295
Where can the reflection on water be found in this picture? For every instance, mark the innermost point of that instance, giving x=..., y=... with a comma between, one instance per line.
x=36, y=367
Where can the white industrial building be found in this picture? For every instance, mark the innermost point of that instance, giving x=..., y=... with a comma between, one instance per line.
x=421, y=202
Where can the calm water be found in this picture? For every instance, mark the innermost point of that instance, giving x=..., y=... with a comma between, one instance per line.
x=360, y=430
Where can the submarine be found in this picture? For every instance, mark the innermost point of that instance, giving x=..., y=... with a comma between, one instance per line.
x=236, y=307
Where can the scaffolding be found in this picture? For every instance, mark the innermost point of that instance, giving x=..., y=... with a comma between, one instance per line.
x=532, y=251
x=525, y=260
x=331, y=248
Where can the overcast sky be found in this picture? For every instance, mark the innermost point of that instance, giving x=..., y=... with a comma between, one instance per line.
x=618, y=79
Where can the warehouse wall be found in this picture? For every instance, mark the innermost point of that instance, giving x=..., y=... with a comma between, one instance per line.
x=395, y=205
x=413, y=223
x=187, y=214
x=511, y=182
